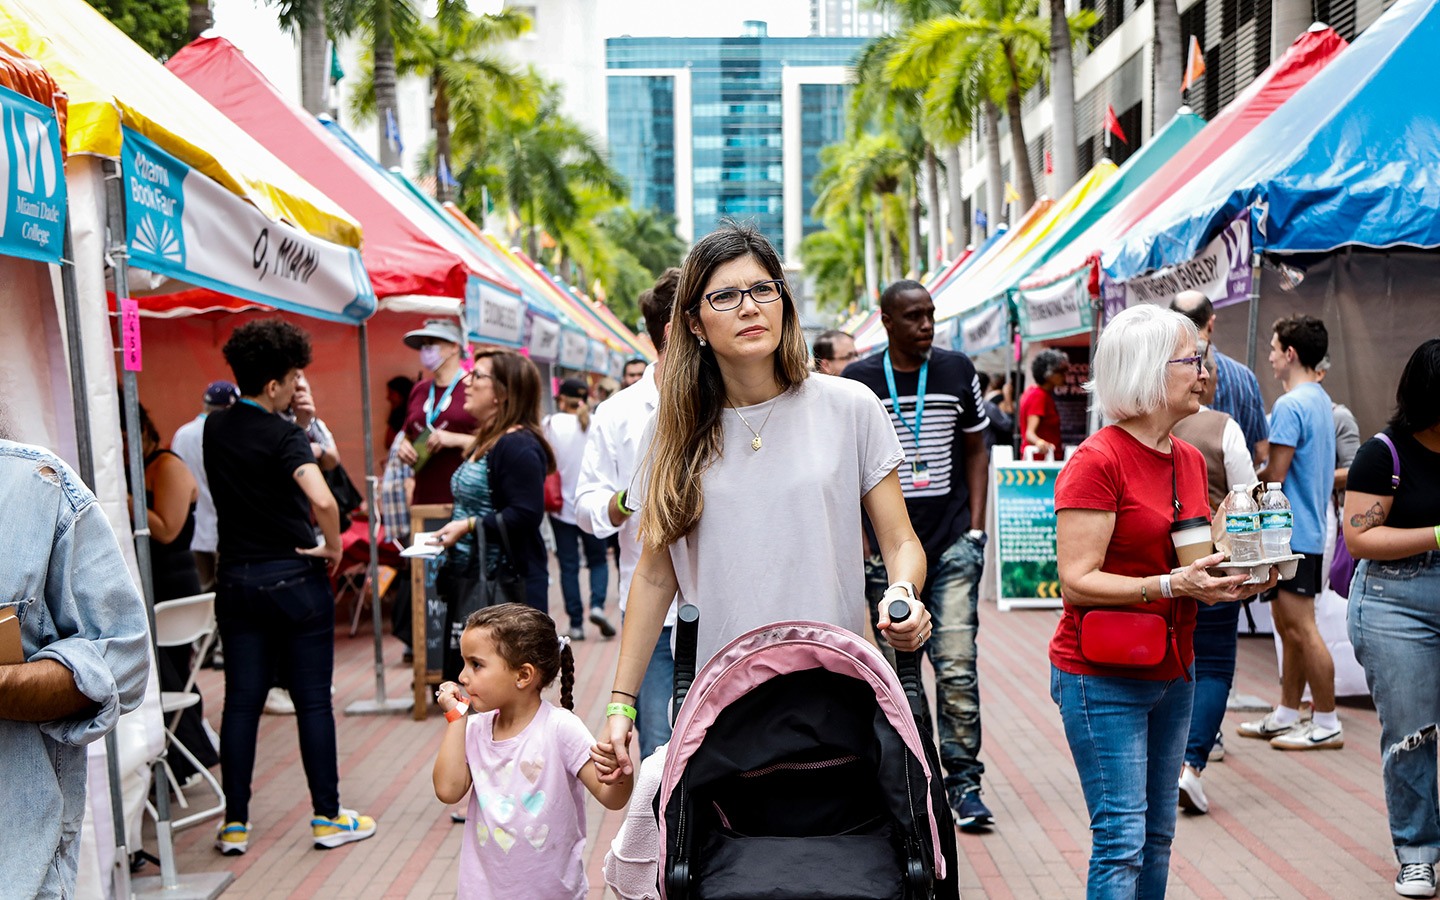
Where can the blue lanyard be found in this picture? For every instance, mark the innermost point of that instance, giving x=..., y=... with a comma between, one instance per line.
x=919, y=397
x=254, y=404
x=430, y=411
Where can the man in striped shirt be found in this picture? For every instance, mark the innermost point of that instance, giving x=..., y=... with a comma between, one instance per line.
x=1237, y=391
x=935, y=404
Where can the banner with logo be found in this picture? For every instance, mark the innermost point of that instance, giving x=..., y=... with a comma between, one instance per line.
x=617, y=365
x=1221, y=272
x=544, y=340
x=598, y=360
x=32, y=210
x=492, y=316
x=984, y=329
x=574, y=349
x=1056, y=310
x=181, y=224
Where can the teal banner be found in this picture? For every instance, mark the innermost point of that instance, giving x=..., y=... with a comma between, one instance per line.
x=32, y=212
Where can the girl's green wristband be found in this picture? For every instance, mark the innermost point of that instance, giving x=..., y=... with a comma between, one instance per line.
x=1437, y=536
x=620, y=709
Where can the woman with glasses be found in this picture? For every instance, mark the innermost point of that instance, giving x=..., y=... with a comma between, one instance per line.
x=1121, y=657
x=750, y=494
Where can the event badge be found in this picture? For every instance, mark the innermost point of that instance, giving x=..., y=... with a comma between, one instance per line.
x=920, y=474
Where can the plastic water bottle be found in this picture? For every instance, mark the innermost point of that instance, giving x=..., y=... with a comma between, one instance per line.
x=1242, y=525
x=1275, y=521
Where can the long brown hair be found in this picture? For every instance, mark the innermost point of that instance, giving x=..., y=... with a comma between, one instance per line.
x=689, y=432
x=523, y=634
x=517, y=385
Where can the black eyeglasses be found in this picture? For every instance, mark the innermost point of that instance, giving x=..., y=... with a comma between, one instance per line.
x=729, y=298
x=1198, y=361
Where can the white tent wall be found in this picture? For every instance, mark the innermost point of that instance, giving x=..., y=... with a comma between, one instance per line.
x=140, y=733
x=34, y=377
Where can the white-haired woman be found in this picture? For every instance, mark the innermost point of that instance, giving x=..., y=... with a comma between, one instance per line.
x=1121, y=656
x=752, y=489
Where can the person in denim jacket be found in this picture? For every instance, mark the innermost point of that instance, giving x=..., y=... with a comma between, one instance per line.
x=84, y=641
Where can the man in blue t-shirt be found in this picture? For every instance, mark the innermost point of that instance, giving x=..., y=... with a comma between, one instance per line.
x=1302, y=457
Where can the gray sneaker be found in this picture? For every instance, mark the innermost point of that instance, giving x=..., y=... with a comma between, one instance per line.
x=1415, y=880
x=1265, y=728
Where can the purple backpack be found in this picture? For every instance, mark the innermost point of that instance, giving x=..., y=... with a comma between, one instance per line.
x=1342, y=565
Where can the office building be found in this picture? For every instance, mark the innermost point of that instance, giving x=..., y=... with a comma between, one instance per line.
x=847, y=18
x=705, y=128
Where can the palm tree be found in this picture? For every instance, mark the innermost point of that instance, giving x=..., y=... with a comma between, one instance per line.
x=860, y=173
x=308, y=17
x=647, y=234
x=1006, y=42
x=1169, y=62
x=834, y=258
x=382, y=23
x=464, y=78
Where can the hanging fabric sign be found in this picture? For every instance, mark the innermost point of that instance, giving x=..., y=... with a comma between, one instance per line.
x=544, y=340
x=617, y=365
x=1221, y=272
x=574, y=348
x=180, y=223
x=492, y=316
x=1056, y=310
x=984, y=329
x=32, y=177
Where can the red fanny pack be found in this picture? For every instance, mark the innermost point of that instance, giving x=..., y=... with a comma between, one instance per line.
x=1130, y=639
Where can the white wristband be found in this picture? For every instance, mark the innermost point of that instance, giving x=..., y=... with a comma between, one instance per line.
x=1165, y=586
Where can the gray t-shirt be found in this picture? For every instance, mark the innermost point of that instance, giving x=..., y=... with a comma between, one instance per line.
x=780, y=537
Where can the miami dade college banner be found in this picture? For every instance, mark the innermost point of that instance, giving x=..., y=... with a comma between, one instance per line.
x=181, y=224
x=544, y=342
x=32, y=177
x=1221, y=272
x=983, y=329
x=574, y=349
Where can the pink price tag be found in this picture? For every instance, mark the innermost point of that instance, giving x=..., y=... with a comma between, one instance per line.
x=130, y=334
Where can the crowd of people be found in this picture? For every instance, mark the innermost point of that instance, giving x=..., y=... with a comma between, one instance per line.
x=759, y=479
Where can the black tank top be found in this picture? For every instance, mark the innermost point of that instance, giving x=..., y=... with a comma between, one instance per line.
x=172, y=566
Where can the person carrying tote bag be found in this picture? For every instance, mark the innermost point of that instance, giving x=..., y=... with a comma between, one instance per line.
x=494, y=533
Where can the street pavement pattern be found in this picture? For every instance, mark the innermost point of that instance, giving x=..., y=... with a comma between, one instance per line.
x=1281, y=825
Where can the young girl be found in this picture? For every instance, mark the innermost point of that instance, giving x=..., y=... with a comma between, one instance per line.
x=527, y=760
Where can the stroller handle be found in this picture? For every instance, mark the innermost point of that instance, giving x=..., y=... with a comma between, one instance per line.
x=907, y=665
x=687, y=625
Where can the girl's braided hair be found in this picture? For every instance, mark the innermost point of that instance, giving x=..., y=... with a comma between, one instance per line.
x=523, y=634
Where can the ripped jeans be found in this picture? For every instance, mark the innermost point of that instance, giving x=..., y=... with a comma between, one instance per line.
x=1394, y=625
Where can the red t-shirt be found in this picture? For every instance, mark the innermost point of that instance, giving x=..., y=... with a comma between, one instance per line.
x=432, y=482
x=1114, y=472
x=1037, y=401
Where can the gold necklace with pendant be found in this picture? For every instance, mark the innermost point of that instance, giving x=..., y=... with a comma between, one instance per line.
x=756, y=444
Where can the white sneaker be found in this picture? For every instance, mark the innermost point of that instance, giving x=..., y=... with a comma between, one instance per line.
x=1309, y=736
x=1192, y=795
x=1217, y=751
x=1415, y=880
x=1265, y=728
x=278, y=702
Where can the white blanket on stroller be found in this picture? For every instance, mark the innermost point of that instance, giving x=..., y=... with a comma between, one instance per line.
x=632, y=865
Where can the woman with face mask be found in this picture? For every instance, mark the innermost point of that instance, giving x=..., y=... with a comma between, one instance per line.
x=437, y=427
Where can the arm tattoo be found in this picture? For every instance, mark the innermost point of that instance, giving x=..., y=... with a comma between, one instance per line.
x=1369, y=518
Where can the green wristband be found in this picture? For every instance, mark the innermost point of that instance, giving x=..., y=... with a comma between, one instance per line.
x=620, y=709
x=620, y=502
x=1437, y=536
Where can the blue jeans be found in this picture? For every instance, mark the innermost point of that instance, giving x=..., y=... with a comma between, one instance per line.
x=569, y=541
x=653, y=721
x=951, y=594
x=277, y=615
x=1394, y=625
x=1215, y=636
x=1126, y=736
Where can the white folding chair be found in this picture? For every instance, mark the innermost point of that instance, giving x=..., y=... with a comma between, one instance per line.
x=186, y=621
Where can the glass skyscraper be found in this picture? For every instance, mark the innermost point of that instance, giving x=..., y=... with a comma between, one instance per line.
x=708, y=128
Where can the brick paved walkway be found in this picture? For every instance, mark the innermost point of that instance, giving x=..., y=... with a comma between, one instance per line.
x=1282, y=825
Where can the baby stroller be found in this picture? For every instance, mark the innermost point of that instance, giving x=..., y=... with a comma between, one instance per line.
x=796, y=771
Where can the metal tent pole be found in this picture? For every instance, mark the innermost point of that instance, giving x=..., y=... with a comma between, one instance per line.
x=1254, y=310
x=170, y=885
x=380, y=704
x=85, y=453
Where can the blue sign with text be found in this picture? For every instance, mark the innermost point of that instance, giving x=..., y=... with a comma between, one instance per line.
x=32, y=210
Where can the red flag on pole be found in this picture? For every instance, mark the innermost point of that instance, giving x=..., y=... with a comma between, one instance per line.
x=1194, y=65
x=1112, y=124
x=1049, y=163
